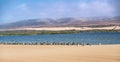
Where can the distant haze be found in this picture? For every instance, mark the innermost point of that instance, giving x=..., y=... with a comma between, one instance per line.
x=63, y=22
x=16, y=10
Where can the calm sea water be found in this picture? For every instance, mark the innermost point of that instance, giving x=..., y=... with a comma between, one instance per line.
x=91, y=37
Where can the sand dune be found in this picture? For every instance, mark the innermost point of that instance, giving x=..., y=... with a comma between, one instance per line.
x=71, y=28
x=37, y=53
x=67, y=28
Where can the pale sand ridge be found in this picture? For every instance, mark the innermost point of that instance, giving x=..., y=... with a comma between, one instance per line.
x=68, y=28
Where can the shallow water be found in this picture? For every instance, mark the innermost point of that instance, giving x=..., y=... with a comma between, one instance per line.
x=91, y=37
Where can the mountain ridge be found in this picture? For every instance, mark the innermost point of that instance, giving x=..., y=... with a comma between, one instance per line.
x=63, y=22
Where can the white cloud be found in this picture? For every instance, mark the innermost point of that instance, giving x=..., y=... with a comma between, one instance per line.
x=58, y=10
x=62, y=9
x=80, y=9
x=96, y=8
x=23, y=7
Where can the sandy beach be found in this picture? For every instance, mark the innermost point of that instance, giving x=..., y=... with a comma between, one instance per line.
x=50, y=53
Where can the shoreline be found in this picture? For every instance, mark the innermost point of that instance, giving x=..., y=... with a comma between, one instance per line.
x=44, y=32
x=75, y=45
x=52, y=43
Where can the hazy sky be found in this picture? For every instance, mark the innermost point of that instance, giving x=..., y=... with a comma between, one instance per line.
x=15, y=10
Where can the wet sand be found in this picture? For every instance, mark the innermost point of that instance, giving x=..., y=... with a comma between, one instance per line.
x=50, y=53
